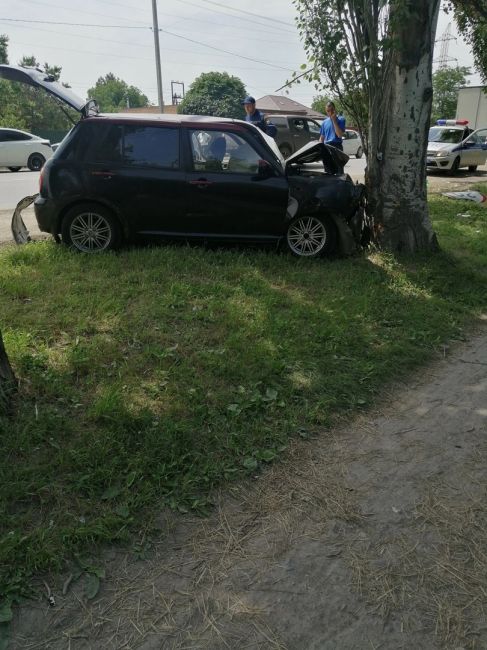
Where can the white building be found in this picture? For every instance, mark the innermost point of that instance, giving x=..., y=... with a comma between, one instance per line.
x=472, y=106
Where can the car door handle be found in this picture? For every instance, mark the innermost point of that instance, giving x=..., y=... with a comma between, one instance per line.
x=201, y=182
x=103, y=174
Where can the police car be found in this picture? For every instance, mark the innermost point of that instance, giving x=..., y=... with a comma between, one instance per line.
x=451, y=145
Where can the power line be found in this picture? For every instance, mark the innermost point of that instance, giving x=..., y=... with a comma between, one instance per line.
x=219, y=49
x=124, y=43
x=78, y=10
x=55, y=22
x=286, y=31
x=165, y=31
x=248, y=13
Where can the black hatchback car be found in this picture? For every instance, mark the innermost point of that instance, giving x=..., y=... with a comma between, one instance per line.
x=121, y=178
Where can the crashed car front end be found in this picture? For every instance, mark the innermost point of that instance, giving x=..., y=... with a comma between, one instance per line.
x=330, y=192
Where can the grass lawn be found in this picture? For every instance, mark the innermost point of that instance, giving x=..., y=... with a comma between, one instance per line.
x=149, y=376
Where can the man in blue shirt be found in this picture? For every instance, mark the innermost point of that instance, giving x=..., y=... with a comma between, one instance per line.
x=253, y=114
x=333, y=128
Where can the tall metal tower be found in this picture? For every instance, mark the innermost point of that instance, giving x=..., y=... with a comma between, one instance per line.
x=445, y=39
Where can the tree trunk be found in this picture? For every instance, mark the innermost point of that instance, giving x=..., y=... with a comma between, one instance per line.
x=8, y=383
x=399, y=121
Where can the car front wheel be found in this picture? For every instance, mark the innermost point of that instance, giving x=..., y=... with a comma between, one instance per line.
x=311, y=236
x=90, y=229
x=14, y=169
x=472, y=168
x=36, y=162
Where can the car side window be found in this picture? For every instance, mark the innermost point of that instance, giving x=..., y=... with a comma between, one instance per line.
x=107, y=143
x=151, y=146
x=299, y=124
x=313, y=127
x=473, y=139
x=279, y=122
x=11, y=136
x=225, y=152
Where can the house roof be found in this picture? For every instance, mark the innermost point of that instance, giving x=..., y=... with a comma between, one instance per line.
x=284, y=105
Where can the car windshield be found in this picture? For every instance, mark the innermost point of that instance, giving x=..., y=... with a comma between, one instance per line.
x=451, y=136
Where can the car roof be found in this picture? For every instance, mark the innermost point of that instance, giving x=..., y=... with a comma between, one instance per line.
x=168, y=119
x=164, y=117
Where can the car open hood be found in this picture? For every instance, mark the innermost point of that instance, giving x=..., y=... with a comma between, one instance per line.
x=320, y=152
x=40, y=79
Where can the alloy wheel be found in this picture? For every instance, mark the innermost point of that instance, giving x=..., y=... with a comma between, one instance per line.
x=307, y=236
x=90, y=232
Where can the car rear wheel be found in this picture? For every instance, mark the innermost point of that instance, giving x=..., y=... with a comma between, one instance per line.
x=285, y=150
x=456, y=165
x=91, y=229
x=311, y=236
x=14, y=169
x=359, y=153
x=35, y=162
x=472, y=168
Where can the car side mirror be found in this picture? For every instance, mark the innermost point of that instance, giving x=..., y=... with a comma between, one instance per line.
x=265, y=170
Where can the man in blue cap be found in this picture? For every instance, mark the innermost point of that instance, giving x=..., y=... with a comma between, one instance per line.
x=253, y=114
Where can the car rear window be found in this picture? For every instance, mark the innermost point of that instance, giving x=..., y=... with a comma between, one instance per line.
x=147, y=146
x=131, y=145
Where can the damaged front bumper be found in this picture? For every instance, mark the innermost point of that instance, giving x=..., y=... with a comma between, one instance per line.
x=19, y=229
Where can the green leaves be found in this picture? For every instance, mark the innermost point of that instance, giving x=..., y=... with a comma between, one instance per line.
x=214, y=93
x=253, y=399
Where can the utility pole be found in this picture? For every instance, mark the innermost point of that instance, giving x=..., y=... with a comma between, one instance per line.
x=158, y=55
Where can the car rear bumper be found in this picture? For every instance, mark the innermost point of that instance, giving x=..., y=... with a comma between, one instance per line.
x=46, y=215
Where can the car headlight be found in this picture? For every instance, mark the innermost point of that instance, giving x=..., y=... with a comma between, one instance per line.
x=440, y=154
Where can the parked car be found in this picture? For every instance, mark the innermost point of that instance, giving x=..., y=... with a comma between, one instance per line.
x=452, y=144
x=293, y=132
x=123, y=177
x=21, y=149
x=352, y=143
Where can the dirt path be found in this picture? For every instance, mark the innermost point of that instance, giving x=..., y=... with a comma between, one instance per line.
x=370, y=536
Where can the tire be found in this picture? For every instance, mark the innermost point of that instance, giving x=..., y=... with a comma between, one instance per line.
x=15, y=169
x=472, y=168
x=456, y=165
x=36, y=162
x=90, y=228
x=285, y=150
x=311, y=236
x=360, y=153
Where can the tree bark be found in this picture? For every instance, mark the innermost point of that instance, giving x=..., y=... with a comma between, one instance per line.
x=8, y=382
x=400, y=110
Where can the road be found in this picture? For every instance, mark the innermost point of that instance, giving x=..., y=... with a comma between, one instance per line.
x=14, y=186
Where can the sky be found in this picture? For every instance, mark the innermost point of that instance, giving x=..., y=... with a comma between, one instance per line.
x=253, y=40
